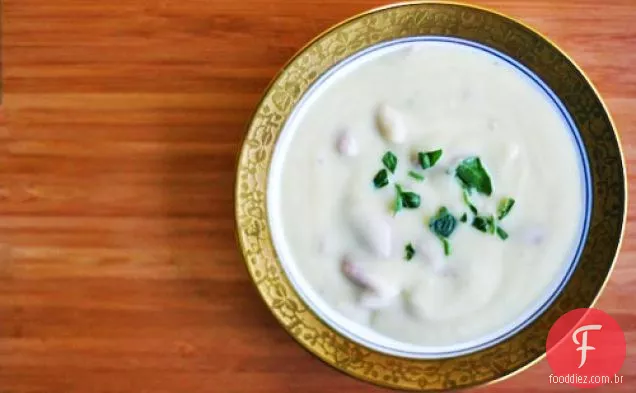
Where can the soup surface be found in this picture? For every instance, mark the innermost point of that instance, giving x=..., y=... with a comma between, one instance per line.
x=429, y=191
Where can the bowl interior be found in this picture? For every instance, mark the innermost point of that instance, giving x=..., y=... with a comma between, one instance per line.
x=361, y=334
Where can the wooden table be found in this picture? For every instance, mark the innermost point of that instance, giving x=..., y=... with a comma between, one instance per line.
x=119, y=270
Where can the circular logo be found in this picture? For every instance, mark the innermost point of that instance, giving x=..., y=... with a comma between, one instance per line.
x=586, y=348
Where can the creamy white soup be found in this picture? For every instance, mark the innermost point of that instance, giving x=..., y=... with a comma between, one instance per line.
x=430, y=192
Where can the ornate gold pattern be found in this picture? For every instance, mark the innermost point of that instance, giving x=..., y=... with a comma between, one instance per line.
x=404, y=20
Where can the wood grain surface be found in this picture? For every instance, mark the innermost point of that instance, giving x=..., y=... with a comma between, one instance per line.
x=119, y=269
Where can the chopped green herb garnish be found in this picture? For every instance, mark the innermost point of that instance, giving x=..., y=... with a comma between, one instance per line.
x=398, y=199
x=501, y=233
x=473, y=176
x=381, y=179
x=409, y=251
x=485, y=224
x=469, y=203
x=428, y=159
x=446, y=245
x=464, y=217
x=492, y=225
x=410, y=200
x=407, y=199
x=504, y=207
x=443, y=224
x=480, y=224
x=416, y=176
x=390, y=161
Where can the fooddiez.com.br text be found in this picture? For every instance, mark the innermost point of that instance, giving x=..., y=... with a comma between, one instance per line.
x=585, y=379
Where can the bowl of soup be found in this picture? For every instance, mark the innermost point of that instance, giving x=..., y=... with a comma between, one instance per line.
x=424, y=189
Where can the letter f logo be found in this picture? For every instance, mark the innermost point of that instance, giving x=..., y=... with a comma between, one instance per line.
x=584, y=347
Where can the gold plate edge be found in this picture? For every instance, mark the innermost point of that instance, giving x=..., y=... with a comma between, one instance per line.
x=334, y=27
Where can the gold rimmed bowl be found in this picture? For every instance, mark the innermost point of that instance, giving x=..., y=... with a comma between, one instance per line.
x=287, y=295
